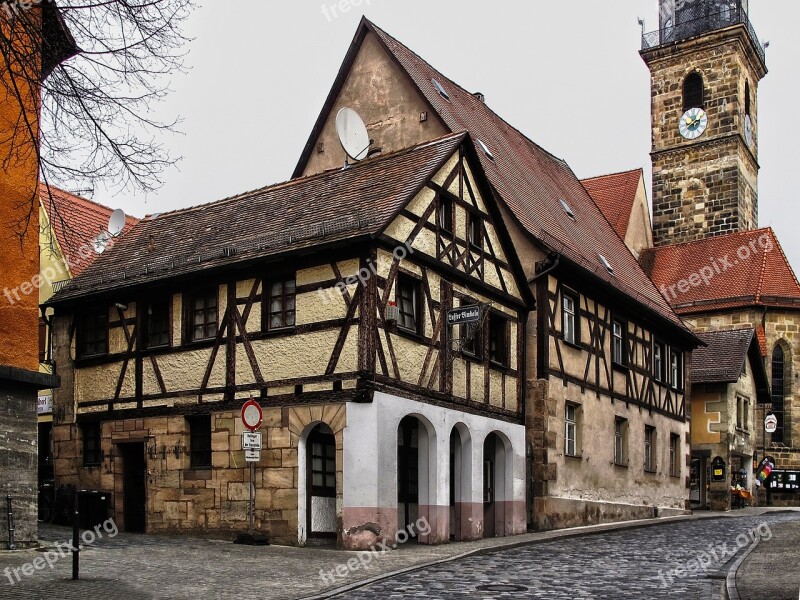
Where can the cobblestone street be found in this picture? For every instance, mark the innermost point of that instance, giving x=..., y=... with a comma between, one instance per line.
x=666, y=560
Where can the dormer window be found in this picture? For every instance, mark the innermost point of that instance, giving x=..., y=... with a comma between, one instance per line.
x=606, y=264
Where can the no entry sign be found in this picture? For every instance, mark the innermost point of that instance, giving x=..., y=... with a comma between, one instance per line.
x=252, y=415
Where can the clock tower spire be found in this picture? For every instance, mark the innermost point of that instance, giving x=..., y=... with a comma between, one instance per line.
x=706, y=62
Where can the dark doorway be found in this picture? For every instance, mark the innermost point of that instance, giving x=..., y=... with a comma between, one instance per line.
x=133, y=486
x=489, y=509
x=321, y=485
x=45, y=452
x=408, y=471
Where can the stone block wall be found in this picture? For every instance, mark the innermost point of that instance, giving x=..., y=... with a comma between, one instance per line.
x=211, y=501
x=18, y=462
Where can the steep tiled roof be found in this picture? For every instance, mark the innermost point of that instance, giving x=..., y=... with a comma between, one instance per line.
x=529, y=180
x=615, y=194
x=722, y=272
x=76, y=221
x=722, y=358
x=335, y=206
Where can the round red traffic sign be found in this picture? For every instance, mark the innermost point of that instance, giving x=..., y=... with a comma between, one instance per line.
x=252, y=414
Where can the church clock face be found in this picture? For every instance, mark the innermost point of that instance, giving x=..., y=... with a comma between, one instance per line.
x=693, y=123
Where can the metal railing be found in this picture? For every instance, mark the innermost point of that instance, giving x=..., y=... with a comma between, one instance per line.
x=699, y=18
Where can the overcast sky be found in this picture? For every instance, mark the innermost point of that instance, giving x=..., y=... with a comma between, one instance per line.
x=566, y=73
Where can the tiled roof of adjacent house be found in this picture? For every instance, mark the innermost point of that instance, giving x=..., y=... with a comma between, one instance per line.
x=76, y=221
x=320, y=210
x=615, y=194
x=723, y=272
x=531, y=181
x=721, y=360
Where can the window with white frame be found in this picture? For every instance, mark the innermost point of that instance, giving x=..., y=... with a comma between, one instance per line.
x=568, y=319
x=618, y=343
x=674, y=455
x=675, y=374
x=620, y=441
x=571, y=429
x=649, y=448
x=658, y=361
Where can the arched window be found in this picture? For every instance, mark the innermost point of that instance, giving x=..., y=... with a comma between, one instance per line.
x=747, y=97
x=778, y=390
x=693, y=92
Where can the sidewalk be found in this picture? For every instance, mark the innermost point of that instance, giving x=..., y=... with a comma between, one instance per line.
x=770, y=571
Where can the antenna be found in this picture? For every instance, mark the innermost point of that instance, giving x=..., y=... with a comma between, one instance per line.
x=116, y=222
x=353, y=134
x=100, y=243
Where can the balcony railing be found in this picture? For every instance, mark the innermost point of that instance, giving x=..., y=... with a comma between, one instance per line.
x=697, y=19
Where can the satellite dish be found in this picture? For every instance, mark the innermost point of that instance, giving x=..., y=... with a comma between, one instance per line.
x=352, y=134
x=116, y=222
x=100, y=243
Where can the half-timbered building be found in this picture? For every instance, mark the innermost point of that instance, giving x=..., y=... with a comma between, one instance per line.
x=607, y=424
x=326, y=299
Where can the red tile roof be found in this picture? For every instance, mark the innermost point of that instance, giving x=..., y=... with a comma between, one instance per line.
x=76, y=222
x=530, y=180
x=340, y=207
x=615, y=194
x=722, y=272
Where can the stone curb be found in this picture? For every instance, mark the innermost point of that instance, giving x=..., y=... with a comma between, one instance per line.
x=547, y=536
x=731, y=593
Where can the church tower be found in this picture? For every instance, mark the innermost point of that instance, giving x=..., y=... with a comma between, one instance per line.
x=706, y=62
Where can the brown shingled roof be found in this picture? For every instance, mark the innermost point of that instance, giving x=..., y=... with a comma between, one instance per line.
x=529, y=180
x=336, y=206
x=742, y=269
x=615, y=194
x=75, y=222
x=721, y=360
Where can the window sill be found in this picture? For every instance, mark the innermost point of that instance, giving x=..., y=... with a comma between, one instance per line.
x=410, y=334
x=499, y=365
x=621, y=465
x=575, y=345
x=619, y=366
x=651, y=471
x=280, y=331
x=574, y=456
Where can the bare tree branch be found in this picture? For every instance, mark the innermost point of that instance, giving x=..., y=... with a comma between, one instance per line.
x=95, y=112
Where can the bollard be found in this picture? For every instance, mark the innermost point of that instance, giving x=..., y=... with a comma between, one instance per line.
x=76, y=548
x=11, y=544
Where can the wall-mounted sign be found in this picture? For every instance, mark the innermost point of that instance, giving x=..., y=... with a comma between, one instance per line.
x=770, y=423
x=765, y=467
x=465, y=314
x=44, y=405
x=784, y=481
x=718, y=469
x=252, y=415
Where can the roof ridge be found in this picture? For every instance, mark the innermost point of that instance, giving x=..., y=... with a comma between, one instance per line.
x=299, y=180
x=463, y=89
x=48, y=186
x=615, y=174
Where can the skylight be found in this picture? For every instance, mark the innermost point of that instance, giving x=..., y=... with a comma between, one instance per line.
x=440, y=89
x=567, y=209
x=606, y=264
x=486, y=150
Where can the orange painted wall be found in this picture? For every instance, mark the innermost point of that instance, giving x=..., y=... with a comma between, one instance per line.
x=19, y=263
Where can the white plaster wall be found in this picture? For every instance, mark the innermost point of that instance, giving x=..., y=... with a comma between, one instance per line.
x=370, y=451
